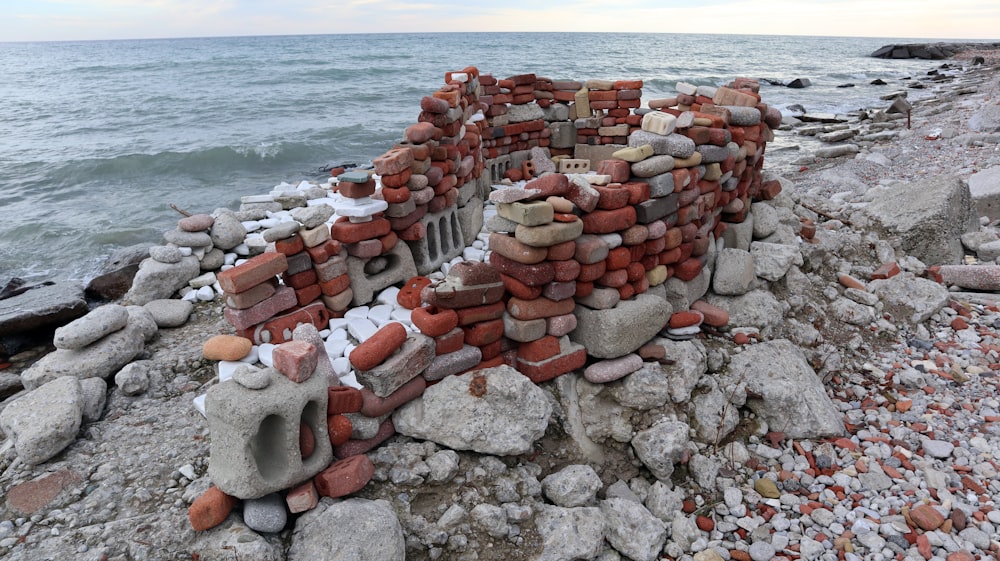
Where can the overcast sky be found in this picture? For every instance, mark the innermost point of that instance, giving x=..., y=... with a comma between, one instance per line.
x=44, y=20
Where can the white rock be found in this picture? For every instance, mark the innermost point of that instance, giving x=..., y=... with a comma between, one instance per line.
x=361, y=329
x=266, y=354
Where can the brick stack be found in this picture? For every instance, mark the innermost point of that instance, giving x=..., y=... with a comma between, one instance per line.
x=604, y=111
x=254, y=299
x=538, y=268
x=516, y=115
x=464, y=314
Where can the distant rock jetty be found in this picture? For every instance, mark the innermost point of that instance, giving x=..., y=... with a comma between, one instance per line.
x=930, y=51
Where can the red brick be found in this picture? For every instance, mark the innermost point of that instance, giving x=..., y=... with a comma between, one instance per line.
x=886, y=271
x=539, y=350
x=531, y=275
x=355, y=447
x=378, y=347
x=626, y=291
x=356, y=190
x=592, y=272
x=343, y=399
x=409, y=293
x=608, y=221
x=210, y=509
x=290, y=246
x=345, y=477
x=476, y=314
x=554, y=184
x=335, y=285
x=324, y=251
x=686, y=318
x=394, y=161
x=619, y=170
x=302, y=498
x=433, y=321
x=345, y=231
x=688, y=269
x=612, y=197
x=539, y=308
x=565, y=271
x=561, y=251
x=613, y=279
x=279, y=329
x=300, y=280
x=519, y=289
x=339, y=428
x=483, y=333
x=32, y=496
x=375, y=406
x=556, y=366
x=297, y=360
x=450, y=342
x=618, y=258
x=283, y=299
x=255, y=271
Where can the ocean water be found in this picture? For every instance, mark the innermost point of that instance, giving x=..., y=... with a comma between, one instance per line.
x=99, y=138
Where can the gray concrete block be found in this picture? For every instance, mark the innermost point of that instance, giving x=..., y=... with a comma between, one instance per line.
x=444, y=241
x=370, y=276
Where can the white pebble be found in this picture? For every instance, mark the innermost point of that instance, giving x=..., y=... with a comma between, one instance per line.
x=199, y=404
x=335, y=347
x=361, y=329
x=342, y=367
x=266, y=351
x=227, y=368
x=205, y=294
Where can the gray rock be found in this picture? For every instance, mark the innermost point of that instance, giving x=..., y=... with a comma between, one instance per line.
x=93, y=398
x=41, y=306
x=761, y=551
x=633, y=530
x=663, y=500
x=661, y=446
x=976, y=537
x=213, y=260
x=133, y=379
x=772, y=261
x=44, y=421
x=739, y=236
x=928, y=216
x=984, y=188
x=910, y=298
x=938, y=448
x=187, y=239
x=572, y=486
x=986, y=118
x=704, y=470
x=757, y=308
x=168, y=312
x=568, y=534
x=267, y=514
x=492, y=519
x=734, y=272
x=837, y=151
x=673, y=144
x=313, y=216
x=365, y=531
x=792, y=398
x=765, y=219
x=644, y=389
x=227, y=231
x=852, y=312
x=99, y=322
x=690, y=363
x=505, y=421
x=621, y=330
x=156, y=280
x=682, y=294
x=875, y=479
x=443, y=466
x=141, y=318
x=168, y=254
x=114, y=277
x=711, y=413
x=683, y=530
x=100, y=360
x=281, y=231
x=988, y=251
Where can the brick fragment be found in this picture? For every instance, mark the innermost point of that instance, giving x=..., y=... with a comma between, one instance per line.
x=345, y=477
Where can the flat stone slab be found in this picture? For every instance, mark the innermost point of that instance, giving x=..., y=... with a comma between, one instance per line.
x=620, y=330
x=47, y=305
x=44, y=421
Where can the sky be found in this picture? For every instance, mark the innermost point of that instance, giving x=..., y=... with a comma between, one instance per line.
x=59, y=20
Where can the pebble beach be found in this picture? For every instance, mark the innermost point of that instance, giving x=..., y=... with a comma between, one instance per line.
x=913, y=476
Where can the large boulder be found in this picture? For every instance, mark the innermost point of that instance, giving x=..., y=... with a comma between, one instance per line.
x=44, y=421
x=98, y=360
x=492, y=411
x=910, y=298
x=41, y=306
x=987, y=117
x=351, y=530
x=156, y=281
x=928, y=216
x=757, y=308
x=115, y=275
x=984, y=186
x=784, y=390
x=623, y=329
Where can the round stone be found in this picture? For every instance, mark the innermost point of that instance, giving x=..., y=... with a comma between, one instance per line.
x=226, y=347
x=196, y=223
x=165, y=254
x=252, y=378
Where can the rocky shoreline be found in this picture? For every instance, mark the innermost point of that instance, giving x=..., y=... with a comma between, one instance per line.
x=914, y=473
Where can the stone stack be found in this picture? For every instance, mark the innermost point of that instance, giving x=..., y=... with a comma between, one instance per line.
x=189, y=251
x=464, y=313
x=375, y=258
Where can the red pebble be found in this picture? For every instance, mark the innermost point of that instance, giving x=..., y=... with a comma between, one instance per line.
x=378, y=347
x=339, y=427
x=210, y=509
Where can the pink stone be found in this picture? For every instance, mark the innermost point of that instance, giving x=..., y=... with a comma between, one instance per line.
x=557, y=326
x=296, y=360
x=196, y=223
x=283, y=299
x=606, y=371
x=302, y=498
x=375, y=406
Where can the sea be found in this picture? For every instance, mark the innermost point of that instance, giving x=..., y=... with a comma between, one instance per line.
x=99, y=138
